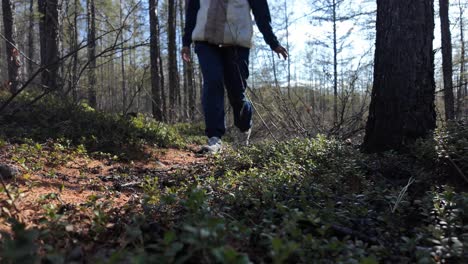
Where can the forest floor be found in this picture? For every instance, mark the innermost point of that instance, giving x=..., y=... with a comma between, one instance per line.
x=79, y=179
x=105, y=188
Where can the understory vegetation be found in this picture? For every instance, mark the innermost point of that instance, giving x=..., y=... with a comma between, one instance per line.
x=118, y=134
x=308, y=200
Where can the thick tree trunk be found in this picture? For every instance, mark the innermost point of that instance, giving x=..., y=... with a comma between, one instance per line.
x=49, y=29
x=91, y=17
x=447, y=59
x=402, y=103
x=12, y=53
x=173, y=71
x=154, y=52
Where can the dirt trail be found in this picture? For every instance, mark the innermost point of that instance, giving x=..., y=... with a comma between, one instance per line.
x=86, y=180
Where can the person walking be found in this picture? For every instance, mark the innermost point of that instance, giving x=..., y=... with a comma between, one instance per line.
x=222, y=32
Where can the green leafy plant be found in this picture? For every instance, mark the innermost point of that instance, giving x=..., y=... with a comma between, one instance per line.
x=20, y=246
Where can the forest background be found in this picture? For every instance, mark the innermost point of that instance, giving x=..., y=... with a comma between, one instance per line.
x=324, y=87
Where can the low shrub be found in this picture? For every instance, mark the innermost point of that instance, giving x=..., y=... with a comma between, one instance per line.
x=52, y=118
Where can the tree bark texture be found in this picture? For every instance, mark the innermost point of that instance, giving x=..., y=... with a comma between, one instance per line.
x=31, y=40
x=12, y=53
x=462, y=83
x=402, y=104
x=122, y=61
x=91, y=16
x=172, y=56
x=74, y=44
x=154, y=54
x=185, y=97
x=335, y=66
x=447, y=59
x=192, y=95
x=49, y=30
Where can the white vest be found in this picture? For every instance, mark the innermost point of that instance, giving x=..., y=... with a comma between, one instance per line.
x=227, y=22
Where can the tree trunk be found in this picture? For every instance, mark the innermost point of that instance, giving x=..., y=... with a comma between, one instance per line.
x=74, y=33
x=31, y=39
x=13, y=55
x=173, y=71
x=190, y=95
x=122, y=61
x=335, y=67
x=91, y=17
x=49, y=28
x=185, y=97
x=447, y=59
x=462, y=83
x=161, y=74
x=154, y=47
x=113, y=86
x=286, y=18
x=402, y=104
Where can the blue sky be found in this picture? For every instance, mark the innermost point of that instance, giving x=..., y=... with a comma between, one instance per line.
x=304, y=28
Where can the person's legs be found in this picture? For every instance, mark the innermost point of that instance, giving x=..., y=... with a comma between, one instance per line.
x=236, y=72
x=211, y=66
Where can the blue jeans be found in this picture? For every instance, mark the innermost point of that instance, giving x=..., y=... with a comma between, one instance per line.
x=224, y=67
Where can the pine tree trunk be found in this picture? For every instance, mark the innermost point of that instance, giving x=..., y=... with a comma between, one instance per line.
x=335, y=67
x=286, y=18
x=173, y=71
x=74, y=70
x=69, y=77
x=402, y=104
x=447, y=59
x=185, y=96
x=163, y=83
x=31, y=39
x=192, y=95
x=122, y=62
x=462, y=83
x=12, y=53
x=154, y=47
x=91, y=17
x=49, y=29
x=112, y=90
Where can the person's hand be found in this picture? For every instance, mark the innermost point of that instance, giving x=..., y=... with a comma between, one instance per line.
x=280, y=50
x=186, y=54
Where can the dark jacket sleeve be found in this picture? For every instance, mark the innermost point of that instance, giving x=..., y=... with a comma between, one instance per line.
x=262, y=16
x=190, y=21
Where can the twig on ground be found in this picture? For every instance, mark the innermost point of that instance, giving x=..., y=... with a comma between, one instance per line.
x=402, y=194
x=9, y=194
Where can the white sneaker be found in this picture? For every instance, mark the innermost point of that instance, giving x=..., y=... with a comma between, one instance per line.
x=247, y=136
x=213, y=146
x=241, y=138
